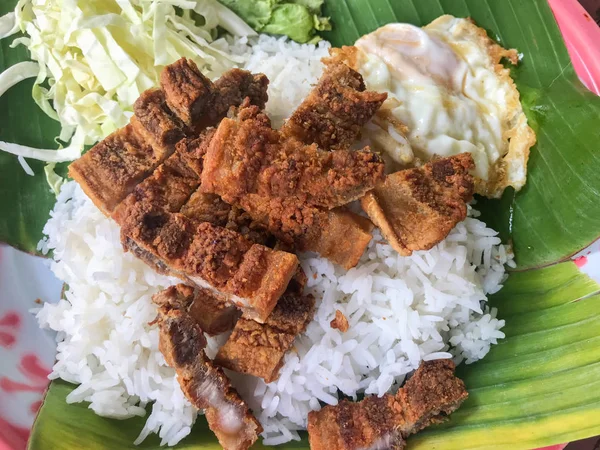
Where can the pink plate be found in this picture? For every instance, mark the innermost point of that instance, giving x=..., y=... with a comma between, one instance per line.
x=27, y=353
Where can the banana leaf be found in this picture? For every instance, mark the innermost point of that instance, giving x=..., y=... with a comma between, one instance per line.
x=540, y=385
x=25, y=201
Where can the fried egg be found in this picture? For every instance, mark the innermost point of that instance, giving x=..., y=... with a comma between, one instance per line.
x=448, y=93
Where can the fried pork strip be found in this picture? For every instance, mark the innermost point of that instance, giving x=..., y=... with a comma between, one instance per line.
x=247, y=157
x=375, y=423
x=335, y=110
x=258, y=349
x=169, y=187
x=417, y=208
x=248, y=275
x=197, y=101
x=112, y=168
x=213, y=314
x=182, y=343
x=154, y=121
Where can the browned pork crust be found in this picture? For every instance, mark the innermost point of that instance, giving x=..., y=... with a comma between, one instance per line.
x=417, y=208
x=110, y=170
x=335, y=110
x=430, y=395
x=211, y=312
x=251, y=276
x=258, y=349
x=182, y=343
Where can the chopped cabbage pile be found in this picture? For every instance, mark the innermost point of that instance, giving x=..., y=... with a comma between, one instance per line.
x=94, y=58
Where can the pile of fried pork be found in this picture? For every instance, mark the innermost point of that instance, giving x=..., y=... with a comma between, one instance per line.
x=204, y=189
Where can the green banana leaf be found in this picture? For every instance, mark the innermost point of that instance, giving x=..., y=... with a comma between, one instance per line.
x=25, y=201
x=540, y=385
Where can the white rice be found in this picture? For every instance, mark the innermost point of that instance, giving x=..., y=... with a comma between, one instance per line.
x=401, y=310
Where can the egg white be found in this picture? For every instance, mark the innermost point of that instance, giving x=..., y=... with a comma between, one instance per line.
x=448, y=93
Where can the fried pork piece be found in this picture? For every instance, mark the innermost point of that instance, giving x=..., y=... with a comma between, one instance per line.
x=155, y=121
x=335, y=110
x=182, y=343
x=385, y=423
x=417, y=208
x=342, y=237
x=234, y=87
x=430, y=395
x=110, y=170
x=248, y=275
x=187, y=92
x=372, y=424
x=170, y=186
x=192, y=150
x=212, y=313
x=247, y=157
x=211, y=208
x=258, y=349
x=197, y=101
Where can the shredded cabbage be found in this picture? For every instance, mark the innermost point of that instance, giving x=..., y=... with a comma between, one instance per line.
x=97, y=56
x=14, y=74
x=54, y=180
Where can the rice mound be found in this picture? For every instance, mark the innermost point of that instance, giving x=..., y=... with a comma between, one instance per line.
x=401, y=310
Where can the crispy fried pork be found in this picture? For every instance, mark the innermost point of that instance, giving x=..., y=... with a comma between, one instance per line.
x=211, y=208
x=341, y=236
x=251, y=276
x=170, y=186
x=188, y=93
x=213, y=314
x=335, y=110
x=339, y=322
x=247, y=157
x=182, y=343
x=112, y=168
x=385, y=423
x=258, y=349
x=234, y=87
x=417, y=208
x=156, y=122
x=197, y=101
x=192, y=150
